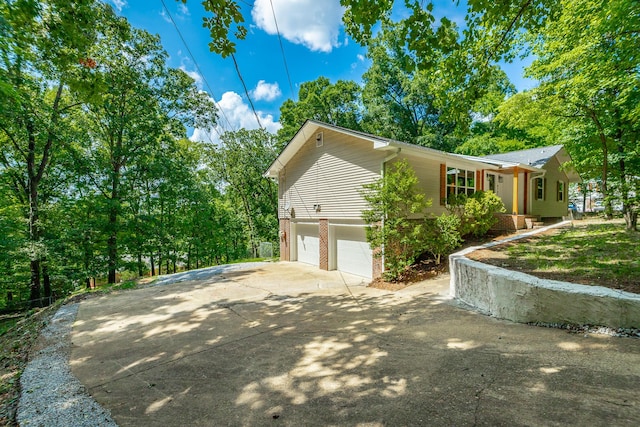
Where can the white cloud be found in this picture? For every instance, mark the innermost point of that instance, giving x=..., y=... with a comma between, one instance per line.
x=194, y=75
x=119, y=4
x=183, y=10
x=312, y=23
x=237, y=115
x=266, y=91
x=165, y=16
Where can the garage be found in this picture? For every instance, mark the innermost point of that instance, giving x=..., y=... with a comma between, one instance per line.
x=307, y=248
x=352, y=252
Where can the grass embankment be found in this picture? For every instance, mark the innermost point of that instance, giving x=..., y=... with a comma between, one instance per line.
x=590, y=252
x=17, y=337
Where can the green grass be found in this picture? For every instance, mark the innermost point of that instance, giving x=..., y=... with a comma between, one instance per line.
x=6, y=324
x=601, y=253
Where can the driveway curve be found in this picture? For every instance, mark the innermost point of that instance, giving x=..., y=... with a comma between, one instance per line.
x=287, y=344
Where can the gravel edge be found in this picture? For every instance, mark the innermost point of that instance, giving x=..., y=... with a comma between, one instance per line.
x=50, y=394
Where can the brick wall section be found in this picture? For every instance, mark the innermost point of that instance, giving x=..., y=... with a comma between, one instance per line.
x=505, y=222
x=509, y=222
x=285, y=239
x=324, y=244
x=377, y=264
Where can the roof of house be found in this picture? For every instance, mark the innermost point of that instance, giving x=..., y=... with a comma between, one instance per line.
x=532, y=159
x=310, y=127
x=536, y=157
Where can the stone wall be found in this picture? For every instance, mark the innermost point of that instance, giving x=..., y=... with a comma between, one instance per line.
x=523, y=298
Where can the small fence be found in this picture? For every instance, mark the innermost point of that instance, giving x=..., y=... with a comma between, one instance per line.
x=12, y=305
x=265, y=250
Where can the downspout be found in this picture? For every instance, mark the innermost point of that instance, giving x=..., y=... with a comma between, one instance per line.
x=383, y=169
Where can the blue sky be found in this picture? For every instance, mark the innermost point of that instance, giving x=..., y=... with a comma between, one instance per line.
x=314, y=45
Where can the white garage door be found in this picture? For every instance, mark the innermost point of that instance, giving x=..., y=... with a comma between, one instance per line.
x=307, y=243
x=353, y=254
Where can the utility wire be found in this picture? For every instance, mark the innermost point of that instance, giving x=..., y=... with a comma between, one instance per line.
x=246, y=91
x=199, y=70
x=284, y=58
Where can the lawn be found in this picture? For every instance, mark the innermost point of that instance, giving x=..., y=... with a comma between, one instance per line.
x=590, y=252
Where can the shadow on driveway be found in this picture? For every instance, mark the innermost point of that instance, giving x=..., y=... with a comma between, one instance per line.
x=290, y=345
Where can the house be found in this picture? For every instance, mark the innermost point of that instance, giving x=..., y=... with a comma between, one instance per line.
x=321, y=171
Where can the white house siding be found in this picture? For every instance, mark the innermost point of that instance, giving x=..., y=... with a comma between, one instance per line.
x=428, y=173
x=550, y=207
x=329, y=176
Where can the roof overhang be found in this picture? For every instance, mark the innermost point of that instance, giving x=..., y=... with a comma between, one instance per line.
x=311, y=127
x=566, y=166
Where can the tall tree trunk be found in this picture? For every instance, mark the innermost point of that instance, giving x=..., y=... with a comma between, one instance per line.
x=34, y=293
x=153, y=266
x=35, y=172
x=112, y=245
x=112, y=241
x=605, y=163
x=140, y=272
x=34, y=232
x=46, y=281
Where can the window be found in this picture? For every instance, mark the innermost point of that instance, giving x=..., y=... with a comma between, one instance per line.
x=491, y=179
x=460, y=181
x=560, y=191
x=540, y=188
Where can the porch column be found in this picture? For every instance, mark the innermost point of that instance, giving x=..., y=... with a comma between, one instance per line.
x=526, y=191
x=514, y=209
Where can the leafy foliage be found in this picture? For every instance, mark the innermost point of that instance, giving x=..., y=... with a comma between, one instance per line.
x=240, y=163
x=337, y=104
x=443, y=235
x=476, y=212
x=394, y=215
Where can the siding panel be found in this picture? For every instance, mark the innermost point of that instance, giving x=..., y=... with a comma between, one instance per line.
x=330, y=176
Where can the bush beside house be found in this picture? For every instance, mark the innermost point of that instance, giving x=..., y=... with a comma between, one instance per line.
x=398, y=223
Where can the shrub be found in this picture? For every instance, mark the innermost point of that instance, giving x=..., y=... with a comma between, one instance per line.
x=476, y=212
x=392, y=201
x=443, y=235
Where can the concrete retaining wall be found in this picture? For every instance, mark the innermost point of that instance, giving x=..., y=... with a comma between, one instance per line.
x=520, y=297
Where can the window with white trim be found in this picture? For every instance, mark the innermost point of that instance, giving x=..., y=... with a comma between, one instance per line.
x=460, y=181
x=539, y=188
x=560, y=196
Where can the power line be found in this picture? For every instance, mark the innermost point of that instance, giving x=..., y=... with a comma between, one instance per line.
x=246, y=91
x=197, y=68
x=284, y=59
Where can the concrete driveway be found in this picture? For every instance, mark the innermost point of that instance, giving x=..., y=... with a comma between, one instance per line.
x=287, y=344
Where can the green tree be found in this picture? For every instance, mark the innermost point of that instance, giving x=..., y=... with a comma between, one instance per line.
x=394, y=214
x=337, y=104
x=589, y=71
x=41, y=46
x=143, y=107
x=240, y=162
x=431, y=98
